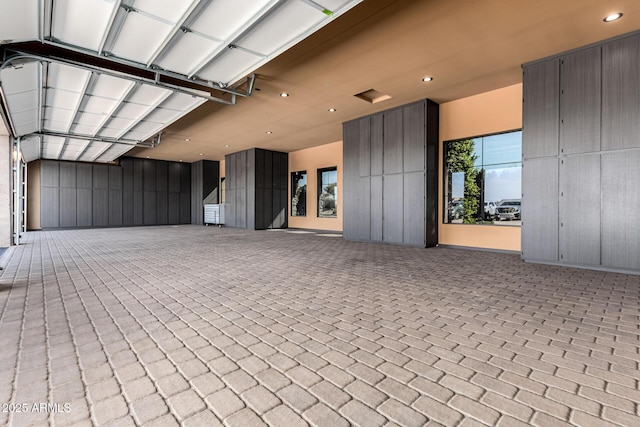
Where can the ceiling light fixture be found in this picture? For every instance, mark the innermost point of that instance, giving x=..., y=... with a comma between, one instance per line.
x=284, y=94
x=187, y=139
x=202, y=154
x=226, y=145
x=332, y=110
x=269, y=132
x=427, y=79
x=613, y=17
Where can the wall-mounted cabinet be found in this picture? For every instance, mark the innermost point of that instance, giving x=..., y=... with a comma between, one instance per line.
x=580, y=167
x=390, y=176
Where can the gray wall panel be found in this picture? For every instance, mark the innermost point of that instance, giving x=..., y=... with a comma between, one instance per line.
x=100, y=206
x=580, y=209
x=185, y=208
x=350, y=165
x=50, y=205
x=393, y=141
x=376, y=209
x=173, y=208
x=197, y=208
x=149, y=175
x=580, y=102
x=67, y=205
x=620, y=204
x=541, y=109
x=115, y=208
x=49, y=173
x=364, y=147
x=241, y=169
x=230, y=208
x=377, y=146
x=174, y=177
x=84, y=174
x=251, y=174
x=150, y=208
x=392, y=220
x=540, y=209
x=241, y=211
x=67, y=175
x=127, y=173
x=138, y=175
x=185, y=177
x=138, y=212
x=162, y=200
x=115, y=178
x=414, y=221
x=101, y=177
x=84, y=212
x=162, y=173
x=363, y=213
x=621, y=94
x=127, y=206
x=414, y=137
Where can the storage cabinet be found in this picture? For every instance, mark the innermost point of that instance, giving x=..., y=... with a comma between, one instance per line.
x=580, y=167
x=390, y=174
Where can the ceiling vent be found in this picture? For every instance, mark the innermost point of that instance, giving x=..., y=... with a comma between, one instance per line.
x=372, y=96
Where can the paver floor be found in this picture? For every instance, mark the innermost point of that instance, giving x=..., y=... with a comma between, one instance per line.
x=206, y=326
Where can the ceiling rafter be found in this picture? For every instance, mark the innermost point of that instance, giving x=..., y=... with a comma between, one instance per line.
x=271, y=6
x=195, y=10
x=149, y=110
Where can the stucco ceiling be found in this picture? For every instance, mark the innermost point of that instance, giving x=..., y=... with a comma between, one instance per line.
x=467, y=46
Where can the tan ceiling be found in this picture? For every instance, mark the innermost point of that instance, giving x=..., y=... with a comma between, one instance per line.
x=468, y=46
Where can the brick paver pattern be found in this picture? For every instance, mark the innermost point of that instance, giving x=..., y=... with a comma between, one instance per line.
x=208, y=326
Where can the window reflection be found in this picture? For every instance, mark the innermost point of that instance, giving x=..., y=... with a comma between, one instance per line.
x=299, y=193
x=483, y=179
x=327, y=192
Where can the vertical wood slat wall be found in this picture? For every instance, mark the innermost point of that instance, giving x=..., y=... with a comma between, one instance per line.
x=581, y=151
x=138, y=192
x=256, y=189
x=390, y=176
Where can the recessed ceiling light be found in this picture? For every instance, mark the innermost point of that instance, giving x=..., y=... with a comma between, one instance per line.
x=180, y=159
x=613, y=17
x=427, y=79
x=202, y=154
x=148, y=157
x=284, y=94
x=187, y=139
x=332, y=110
x=268, y=132
x=226, y=145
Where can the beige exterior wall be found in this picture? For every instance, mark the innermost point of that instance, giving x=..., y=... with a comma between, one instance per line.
x=312, y=159
x=5, y=186
x=33, y=195
x=490, y=112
